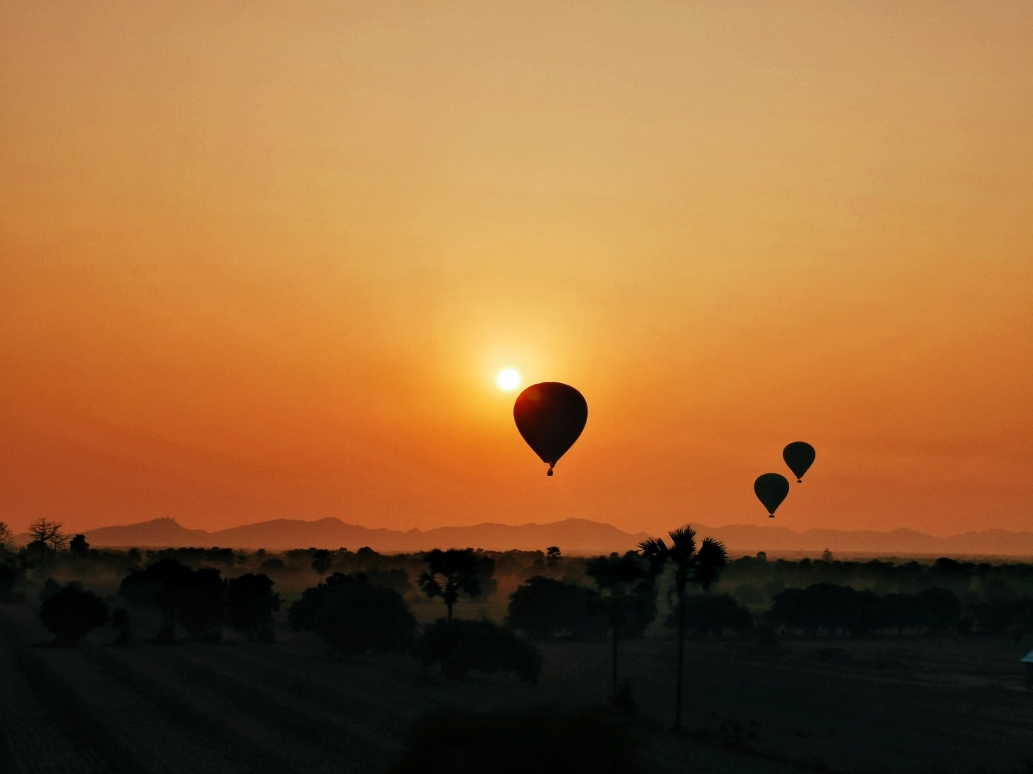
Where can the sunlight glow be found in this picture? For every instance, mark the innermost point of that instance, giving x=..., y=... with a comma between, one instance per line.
x=508, y=380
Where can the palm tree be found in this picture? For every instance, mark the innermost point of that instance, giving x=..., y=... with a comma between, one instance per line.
x=453, y=571
x=628, y=592
x=691, y=565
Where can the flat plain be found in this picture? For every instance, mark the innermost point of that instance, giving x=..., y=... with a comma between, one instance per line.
x=955, y=704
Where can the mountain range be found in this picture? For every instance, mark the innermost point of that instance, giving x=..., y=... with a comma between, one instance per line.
x=573, y=536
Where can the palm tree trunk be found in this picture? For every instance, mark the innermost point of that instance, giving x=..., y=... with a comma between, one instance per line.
x=448, y=606
x=681, y=659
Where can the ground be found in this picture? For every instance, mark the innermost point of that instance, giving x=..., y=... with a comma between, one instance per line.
x=823, y=704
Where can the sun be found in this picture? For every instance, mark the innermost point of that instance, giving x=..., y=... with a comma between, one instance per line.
x=508, y=380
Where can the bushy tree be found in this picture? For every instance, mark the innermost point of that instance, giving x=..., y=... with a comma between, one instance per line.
x=462, y=645
x=352, y=616
x=250, y=604
x=195, y=599
x=457, y=571
x=273, y=564
x=79, y=546
x=6, y=537
x=942, y=609
x=904, y=611
x=543, y=607
x=9, y=576
x=628, y=597
x=712, y=614
x=71, y=613
x=321, y=561
x=820, y=606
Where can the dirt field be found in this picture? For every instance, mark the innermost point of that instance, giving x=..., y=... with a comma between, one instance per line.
x=913, y=705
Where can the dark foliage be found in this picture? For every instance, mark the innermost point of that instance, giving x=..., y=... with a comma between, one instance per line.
x=250, y=604
x=713, y=614
x=543, y=607
x=79, y=546
x=321, y=561
x=72, y=612
x=475, y=743
x=352, y=616
x=195, y=599
x=275, y=564
x=822, y=606
x=457, y=571
x=629, y=591
x=9, y=577
x=826, y=607
x=462, y=645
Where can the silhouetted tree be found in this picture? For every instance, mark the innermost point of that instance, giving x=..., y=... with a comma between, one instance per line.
x=503, y=743
x=47, y=540
x=455, y=571
x=321, y=561
x=120, y=620
x=274, y=564
x=542, y=607
x=250, y=604
x=9, y=576
x=482, y=645
x=942, y=609
x=194, y=599
x=819, y=606
x=79, y=546
x=352, y=616
x=904, y=611
x=701, y=567
x=6, y=537
x=71, y=613
x=712, y=614
x=200, y=604
x=629, y=597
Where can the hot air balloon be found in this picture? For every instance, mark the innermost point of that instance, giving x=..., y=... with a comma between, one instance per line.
x=771, y=489
x=550, y=416
x=798, y=456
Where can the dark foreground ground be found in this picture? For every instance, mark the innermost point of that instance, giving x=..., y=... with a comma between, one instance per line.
x=953, y=705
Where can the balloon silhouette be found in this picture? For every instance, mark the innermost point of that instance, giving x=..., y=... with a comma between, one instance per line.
x=550, y=416
x=771, y=489
x=798, y=456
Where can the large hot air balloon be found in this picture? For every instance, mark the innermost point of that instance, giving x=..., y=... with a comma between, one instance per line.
x=771, y=489
x=550, y=416
x=798, y=456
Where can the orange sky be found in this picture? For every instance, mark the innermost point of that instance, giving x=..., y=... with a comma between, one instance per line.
x=264, y=260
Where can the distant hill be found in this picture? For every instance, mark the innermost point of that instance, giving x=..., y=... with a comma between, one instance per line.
x=571, y=535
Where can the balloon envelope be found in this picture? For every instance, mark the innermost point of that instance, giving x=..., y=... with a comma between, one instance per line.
x=550, y=416
x=798, y=456
x=771, y=489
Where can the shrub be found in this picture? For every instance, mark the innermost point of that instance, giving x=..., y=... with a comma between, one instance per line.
x=482, y=645
x=711, y=614
x=352, y=616
x=250, y=604
x=543, y=607
x=71, y=613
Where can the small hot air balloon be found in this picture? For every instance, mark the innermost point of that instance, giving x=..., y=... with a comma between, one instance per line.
x=550, y=416
x=798, y=456
x=771, y=489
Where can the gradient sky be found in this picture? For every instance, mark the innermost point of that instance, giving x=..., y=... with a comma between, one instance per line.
x=263, y=260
